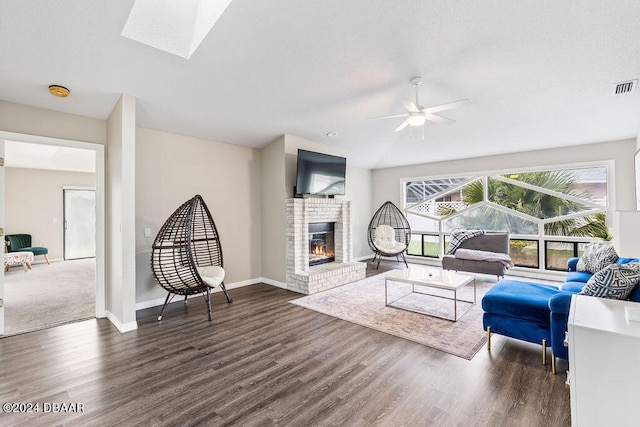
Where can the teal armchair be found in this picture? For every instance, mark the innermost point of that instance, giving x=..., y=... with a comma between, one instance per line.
x=22, y=243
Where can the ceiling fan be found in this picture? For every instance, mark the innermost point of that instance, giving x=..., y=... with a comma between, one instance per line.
x=416, y=115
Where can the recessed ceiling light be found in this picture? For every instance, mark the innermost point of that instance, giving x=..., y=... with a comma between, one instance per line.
x=59, y=91
x=332, y=134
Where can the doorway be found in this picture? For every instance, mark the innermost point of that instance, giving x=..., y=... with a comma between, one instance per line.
x=95, y=266
x=79, y=238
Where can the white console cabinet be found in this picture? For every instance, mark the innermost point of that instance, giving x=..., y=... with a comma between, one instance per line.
x=604, y=363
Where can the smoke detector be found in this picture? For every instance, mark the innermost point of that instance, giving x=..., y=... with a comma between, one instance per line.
x=59, y=91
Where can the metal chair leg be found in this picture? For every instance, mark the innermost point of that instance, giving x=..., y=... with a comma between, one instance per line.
x=226, y=294
x=553, y=363
x=544, y=351
x=166, y=301
x=208, y=300
x=405, y=260
x=489, y=338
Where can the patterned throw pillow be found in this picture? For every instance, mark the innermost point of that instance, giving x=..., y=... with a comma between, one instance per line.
x=616, y=281
x=596, y=256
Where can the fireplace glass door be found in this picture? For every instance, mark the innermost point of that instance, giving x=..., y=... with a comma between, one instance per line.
x=321, y=243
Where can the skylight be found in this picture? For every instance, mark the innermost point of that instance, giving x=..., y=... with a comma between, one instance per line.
x=176, y=27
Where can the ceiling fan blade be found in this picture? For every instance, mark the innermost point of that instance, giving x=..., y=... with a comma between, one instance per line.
x=447, y=106
x=438, y=119
x=410, y=106
x=388, y=117
x=402, y=126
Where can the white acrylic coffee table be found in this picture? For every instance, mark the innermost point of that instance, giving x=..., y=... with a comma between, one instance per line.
x=421, y=278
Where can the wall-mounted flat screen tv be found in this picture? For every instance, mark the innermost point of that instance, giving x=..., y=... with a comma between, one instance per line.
x=320, y=174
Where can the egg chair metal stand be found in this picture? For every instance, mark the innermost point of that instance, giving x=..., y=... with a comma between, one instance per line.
x=389, y=215
x=185, y=252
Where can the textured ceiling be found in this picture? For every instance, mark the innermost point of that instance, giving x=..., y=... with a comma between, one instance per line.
x=538, y=73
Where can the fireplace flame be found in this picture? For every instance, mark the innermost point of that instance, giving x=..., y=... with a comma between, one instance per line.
x=318, y=250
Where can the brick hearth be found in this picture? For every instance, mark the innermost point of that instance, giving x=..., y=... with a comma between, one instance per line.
x=309, y=280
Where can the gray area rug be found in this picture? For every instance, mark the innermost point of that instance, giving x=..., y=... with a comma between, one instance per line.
x=363, y=303
x=48, y=295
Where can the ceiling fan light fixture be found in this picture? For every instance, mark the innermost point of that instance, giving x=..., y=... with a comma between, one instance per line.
x=416, y=115
x=59, y=91
x=417, y=120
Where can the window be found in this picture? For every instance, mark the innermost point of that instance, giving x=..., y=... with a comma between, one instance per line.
x=424, y=245
x=524, y=253
x=563, y=209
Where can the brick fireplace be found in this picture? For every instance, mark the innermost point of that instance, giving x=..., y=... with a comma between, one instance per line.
x=307, y=279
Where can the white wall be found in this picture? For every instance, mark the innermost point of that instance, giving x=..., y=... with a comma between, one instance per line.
x=273, y=211
x=34, y=201
x=121, y=137
x=37, y=121
x=170, y=169
x=619, y=154
x=359, y=191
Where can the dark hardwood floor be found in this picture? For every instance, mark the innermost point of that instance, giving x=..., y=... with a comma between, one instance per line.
x=264, y=361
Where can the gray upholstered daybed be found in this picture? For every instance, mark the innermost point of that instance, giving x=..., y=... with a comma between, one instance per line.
x=494, y=242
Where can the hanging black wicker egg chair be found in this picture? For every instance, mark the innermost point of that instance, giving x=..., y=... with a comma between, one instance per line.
x=389, y=233
x=186, y=256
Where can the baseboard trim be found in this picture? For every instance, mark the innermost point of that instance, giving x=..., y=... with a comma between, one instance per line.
x=122, y=327
x=43, y=261
x=235, y=285
x=363, y=258
x=152, y=303
x=272, y=282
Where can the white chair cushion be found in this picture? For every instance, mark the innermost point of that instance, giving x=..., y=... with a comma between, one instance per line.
x=385, y=240
x=212, y=276
x=385, y=232
x=393, y=248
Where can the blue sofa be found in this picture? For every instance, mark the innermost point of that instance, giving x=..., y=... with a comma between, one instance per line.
x=559, y=304
x=536, y=312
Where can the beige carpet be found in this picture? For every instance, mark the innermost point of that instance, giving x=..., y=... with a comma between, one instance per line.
x=363, y=303
x=48, y=295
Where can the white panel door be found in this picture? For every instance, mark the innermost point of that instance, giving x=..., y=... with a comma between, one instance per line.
x=79, y=224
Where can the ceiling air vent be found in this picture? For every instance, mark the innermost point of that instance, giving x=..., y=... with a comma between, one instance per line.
x=625, y=87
